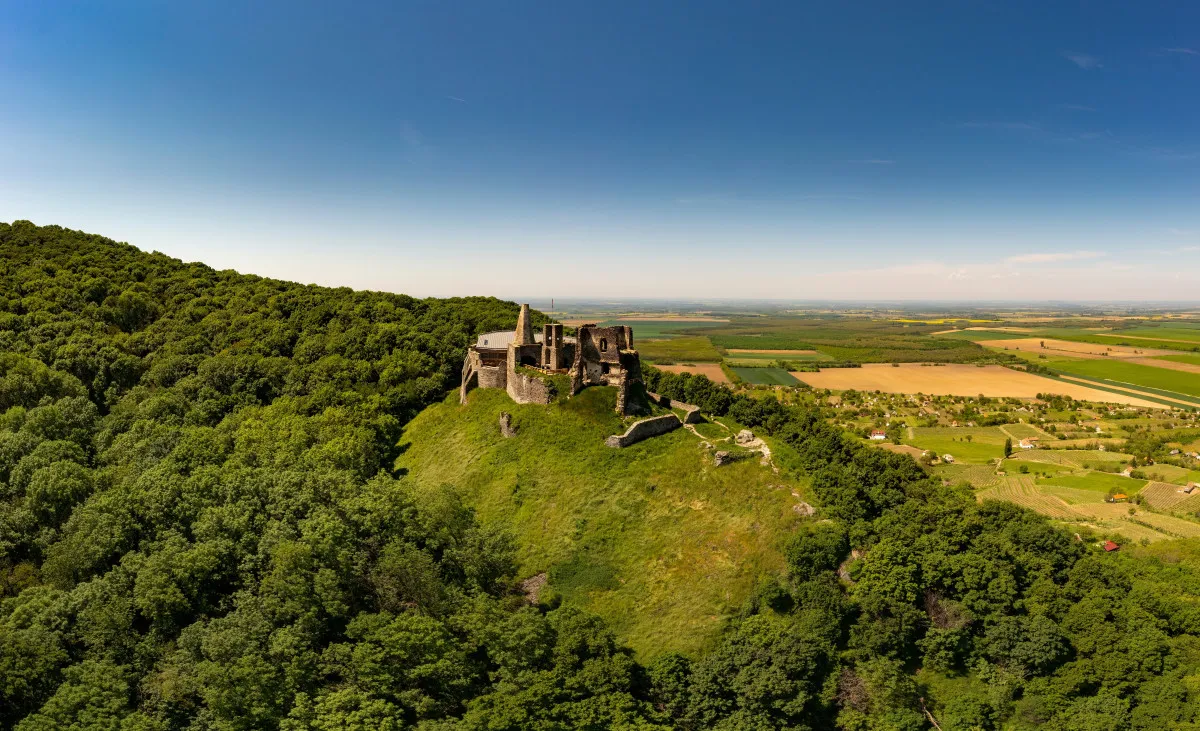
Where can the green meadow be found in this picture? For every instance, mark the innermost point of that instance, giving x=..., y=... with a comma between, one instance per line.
x=653, y=538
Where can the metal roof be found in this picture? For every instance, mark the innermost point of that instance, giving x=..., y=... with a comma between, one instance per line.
x=500, y=339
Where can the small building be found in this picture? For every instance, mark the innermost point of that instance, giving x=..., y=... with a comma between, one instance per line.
x=1119, y=497
x=1109, y=547
x=1191, y=487
x=1030, y=443
x=1127, y=472
x=948, y=459
x=878, y=435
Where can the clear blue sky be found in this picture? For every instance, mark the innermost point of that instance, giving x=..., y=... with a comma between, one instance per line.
x=792, y=149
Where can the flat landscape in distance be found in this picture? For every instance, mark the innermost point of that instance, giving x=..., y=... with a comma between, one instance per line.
x=956, y=380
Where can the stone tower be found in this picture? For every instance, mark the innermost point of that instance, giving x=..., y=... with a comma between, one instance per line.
x=524, y=332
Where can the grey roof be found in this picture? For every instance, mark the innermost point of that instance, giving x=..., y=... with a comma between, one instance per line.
x=501, y=338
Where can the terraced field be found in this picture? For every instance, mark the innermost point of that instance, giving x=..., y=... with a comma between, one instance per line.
x=1163, y=495
x=1022, y=491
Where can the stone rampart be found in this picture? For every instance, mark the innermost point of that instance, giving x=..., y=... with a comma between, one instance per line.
x=527, y=389
x=693, y=412
x=644, y=429
x=492, y=377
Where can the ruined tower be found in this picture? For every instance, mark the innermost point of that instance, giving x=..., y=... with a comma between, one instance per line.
x=524, y=331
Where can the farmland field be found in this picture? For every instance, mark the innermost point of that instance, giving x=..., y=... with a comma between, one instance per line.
x=986, y=444
x=765, y=376
x=1131, y=373
x=956, y=380
x=657, y=329
x=1100, y=482
x=678, y=350
x=711, y=370
x=1070, y=349
x=1190, y=358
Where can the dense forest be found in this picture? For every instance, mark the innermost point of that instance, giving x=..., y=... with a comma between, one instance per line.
x=201, y=528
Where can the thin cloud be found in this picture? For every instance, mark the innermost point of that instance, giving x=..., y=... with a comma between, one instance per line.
x=1053, y=257
x=1082, y=60
x=1183, y=51
x=456, y=99
x=873, y=161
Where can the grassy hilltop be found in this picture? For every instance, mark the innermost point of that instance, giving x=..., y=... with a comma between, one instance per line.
x=653, y=538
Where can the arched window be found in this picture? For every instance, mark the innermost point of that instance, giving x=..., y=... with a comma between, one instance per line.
x=603, y=345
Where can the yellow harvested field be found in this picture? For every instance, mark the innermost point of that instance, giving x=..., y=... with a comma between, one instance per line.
x=774, y=352
x=712, y=370
x=956, y=380
x=1072, y=349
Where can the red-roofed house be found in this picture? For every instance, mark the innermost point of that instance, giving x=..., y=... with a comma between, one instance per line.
x=1110, y=546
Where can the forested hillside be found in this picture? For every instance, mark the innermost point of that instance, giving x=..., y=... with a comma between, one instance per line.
x=200, y=528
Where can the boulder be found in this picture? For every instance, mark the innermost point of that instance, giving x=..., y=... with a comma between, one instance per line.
x=744, y=437
x=722, y=457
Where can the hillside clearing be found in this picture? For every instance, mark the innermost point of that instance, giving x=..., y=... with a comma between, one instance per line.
x=652, y=538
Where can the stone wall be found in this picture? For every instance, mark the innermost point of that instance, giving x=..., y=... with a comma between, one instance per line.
x=492, y=377
x=526, y=389
x=644, y=429
x=693, y=412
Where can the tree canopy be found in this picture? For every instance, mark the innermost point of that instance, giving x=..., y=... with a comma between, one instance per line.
x=201, y=528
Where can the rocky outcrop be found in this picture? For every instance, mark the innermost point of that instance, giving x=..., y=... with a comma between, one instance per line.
x=722, y=457
x=506, y=428
x=644, y=429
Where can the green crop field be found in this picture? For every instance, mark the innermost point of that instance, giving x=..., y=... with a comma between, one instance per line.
x=799, y=357
x=1192, y=358
x=665, y=550
x=1022, y=431
x=1134, y=374
x=1154, y=333
x=677, y=350
x=987, y=443
x=765, y=376
x=977, y=335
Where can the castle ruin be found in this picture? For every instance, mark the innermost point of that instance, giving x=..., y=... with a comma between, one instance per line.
x=519, y=360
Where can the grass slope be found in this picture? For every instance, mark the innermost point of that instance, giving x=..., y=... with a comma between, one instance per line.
x=652, y=538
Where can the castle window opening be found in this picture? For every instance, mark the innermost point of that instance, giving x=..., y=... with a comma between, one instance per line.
x=603, y=344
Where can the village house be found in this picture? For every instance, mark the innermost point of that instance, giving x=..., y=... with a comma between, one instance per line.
x=878, y=435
